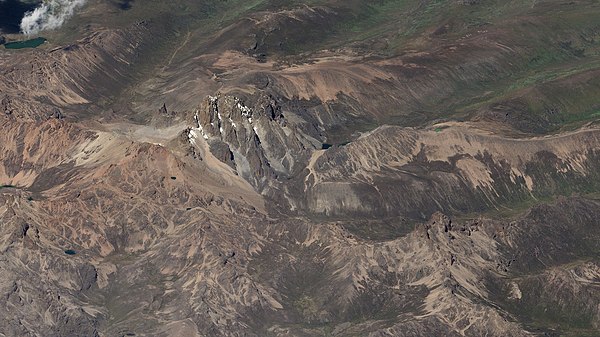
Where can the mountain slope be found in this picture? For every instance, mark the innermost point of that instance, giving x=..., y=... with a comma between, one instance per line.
x=317, y=168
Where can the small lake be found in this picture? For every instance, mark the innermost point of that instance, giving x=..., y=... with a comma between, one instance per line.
x=32, y=43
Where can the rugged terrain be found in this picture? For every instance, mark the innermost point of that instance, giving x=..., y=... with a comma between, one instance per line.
x=317, y=168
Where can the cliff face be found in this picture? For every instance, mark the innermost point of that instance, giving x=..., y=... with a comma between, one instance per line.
x=264, y=145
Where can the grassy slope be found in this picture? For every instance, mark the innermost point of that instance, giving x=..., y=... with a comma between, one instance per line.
x=553, y=49
x=554, y=45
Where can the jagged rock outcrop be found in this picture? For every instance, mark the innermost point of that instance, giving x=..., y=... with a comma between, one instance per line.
x=261, y=142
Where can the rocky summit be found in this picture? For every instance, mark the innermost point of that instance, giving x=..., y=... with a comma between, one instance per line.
x=283, y=168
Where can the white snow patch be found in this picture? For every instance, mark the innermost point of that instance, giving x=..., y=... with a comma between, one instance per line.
x=246, y=111
x=193, y=134
x=201, y=129
x=232, y=123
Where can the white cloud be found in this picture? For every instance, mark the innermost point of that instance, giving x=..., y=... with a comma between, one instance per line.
x=49, y=15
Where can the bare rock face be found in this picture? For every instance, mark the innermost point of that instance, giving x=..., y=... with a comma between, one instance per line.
x=259, y=141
